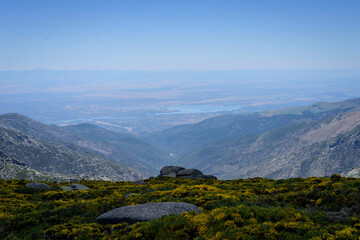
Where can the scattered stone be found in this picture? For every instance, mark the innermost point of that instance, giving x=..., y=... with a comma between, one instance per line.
x=73, y=180
x=145, y=212
x=129, y=195
x=66, y=188
x=37, y=185
x=140, y=182
x=340, y=216
x=79, y=187
x=75, y=187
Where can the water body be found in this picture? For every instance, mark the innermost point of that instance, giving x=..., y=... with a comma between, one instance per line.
x=181, y=109
x=188, y=109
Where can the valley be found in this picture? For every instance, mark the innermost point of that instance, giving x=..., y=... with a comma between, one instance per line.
x=315, y=140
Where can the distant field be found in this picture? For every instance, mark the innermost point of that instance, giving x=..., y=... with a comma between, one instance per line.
x=147, y=101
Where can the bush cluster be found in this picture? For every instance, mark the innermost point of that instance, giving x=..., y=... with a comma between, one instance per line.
x=239, y=209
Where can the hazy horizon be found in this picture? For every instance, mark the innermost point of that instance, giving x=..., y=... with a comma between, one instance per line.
x=193, y=35
x=143, y=66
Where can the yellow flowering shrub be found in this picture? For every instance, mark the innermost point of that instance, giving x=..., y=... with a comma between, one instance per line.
x=255, y=208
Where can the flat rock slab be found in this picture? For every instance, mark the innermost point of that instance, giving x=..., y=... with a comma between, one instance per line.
x=37, y=185
x=75, y=187
x=79, y=187
x=66, y=188
x=145, y=212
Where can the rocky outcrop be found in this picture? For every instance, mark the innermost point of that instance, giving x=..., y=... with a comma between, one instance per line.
x=37, y=185
x=170, y=171
x=75, y=187
x=176, y=171
x=145, y=212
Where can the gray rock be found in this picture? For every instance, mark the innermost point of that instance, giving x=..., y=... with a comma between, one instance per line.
x=79, y=187
x=190, y=172
x=139, y=182
x=170, y=169
x=129, y=195
x=144, y=212
x=67, y=188
x=172, y=174
x=73, y=180
x=37, y=185
x=340, y=216
x=210, y=177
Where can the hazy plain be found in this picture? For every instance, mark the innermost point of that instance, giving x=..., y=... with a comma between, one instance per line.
x=146, y=101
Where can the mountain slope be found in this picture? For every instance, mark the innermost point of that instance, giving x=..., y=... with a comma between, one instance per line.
x=187, y=138
x=132, y=150
x=124, y=149
x=58, y=158
x=13, y=169
x=318, y=148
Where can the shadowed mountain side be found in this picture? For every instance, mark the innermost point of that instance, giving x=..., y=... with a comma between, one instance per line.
x=129, y=149
x=187, y=138
x=123, y=149
x=286, y=152
x=60, y=158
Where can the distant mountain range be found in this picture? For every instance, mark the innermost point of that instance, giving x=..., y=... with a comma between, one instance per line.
x=316, y=140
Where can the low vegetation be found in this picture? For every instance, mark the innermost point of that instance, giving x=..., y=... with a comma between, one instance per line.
x=310, y=208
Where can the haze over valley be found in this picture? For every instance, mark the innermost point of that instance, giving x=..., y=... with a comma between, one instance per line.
x=142, y=102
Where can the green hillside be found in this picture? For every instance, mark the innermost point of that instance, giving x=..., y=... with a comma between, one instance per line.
x=310, y=208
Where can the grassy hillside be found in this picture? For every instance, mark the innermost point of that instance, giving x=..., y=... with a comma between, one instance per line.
x=311, y=208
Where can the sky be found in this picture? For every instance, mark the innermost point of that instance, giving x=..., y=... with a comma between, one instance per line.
x=179, y=35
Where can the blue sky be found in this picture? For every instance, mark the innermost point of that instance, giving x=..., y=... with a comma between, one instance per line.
x=180, y=35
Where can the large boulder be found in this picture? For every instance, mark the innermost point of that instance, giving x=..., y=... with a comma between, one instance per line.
x=190, y=173
x=170, y=171
x=37, y=185
x=176, y=171
x=145, y=212
x=210, y=177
